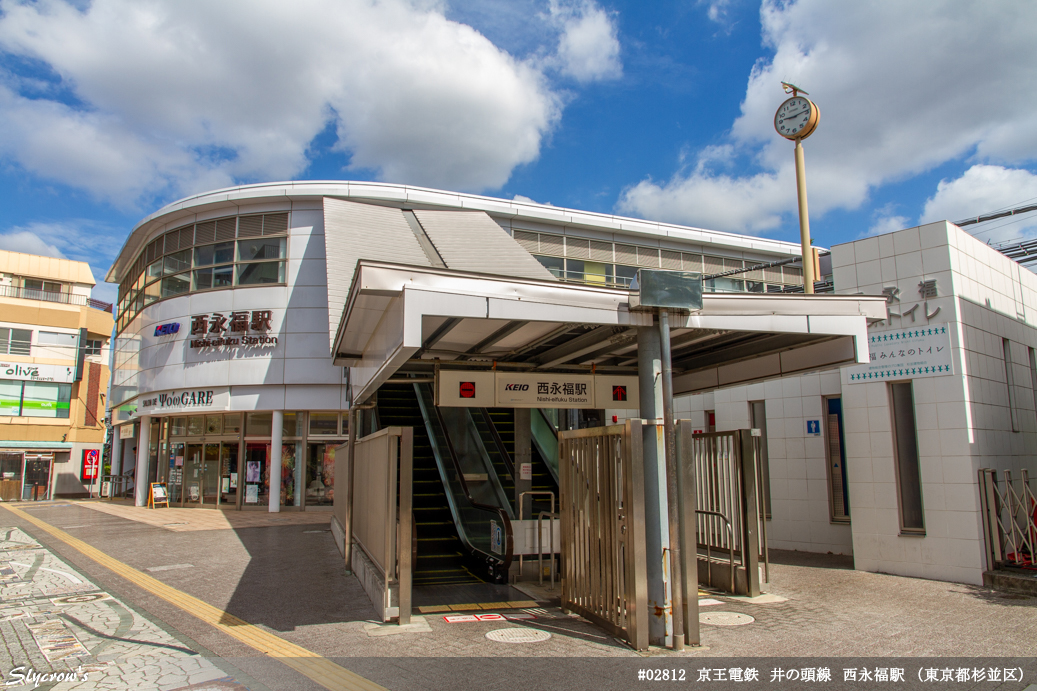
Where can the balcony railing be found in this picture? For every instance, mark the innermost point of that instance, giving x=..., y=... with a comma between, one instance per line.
x=50, y=296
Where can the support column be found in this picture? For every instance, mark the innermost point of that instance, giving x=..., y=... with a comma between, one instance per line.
x=523, y=454
x=116, y=460
x=657, y=533
x=140, y=477
x=276, y=434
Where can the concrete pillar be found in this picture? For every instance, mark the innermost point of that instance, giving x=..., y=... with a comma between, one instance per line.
x=140, y=478
x=116, y=459
x=277, y=432
x=657, y=532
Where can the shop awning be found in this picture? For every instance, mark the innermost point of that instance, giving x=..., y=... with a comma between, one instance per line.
x=409, y=319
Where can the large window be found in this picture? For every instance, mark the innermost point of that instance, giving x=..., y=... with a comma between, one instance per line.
x=245, y=250
x=15, y=341
x=905, y=447
x=35, y=399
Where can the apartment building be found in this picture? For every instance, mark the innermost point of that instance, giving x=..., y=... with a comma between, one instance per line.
x=53, y=375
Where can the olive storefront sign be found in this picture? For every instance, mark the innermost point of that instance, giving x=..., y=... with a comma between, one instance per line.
x=21, y=371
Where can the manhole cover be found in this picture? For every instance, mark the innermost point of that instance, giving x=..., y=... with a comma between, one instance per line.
x=518, y=635
x=725, y=618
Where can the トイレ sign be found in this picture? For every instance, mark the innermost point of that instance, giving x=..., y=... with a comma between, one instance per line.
x=924, y=351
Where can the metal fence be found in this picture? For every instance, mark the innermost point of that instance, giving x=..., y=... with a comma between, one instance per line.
x=1009, y=519
x=54, y=296
x=604, y=577
x=382, y=518
x=730, y=515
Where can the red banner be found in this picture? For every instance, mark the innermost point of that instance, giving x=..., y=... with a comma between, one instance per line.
x=91, y=464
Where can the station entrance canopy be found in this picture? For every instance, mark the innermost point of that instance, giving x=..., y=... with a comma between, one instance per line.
x=416, y=320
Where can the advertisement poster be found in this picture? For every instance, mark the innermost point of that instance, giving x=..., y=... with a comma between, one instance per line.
x=179, y=460
x=193, y=492
x=252, y=471
x=251, y=494
x=225, y=485
x=91, y=462
x=233, y=480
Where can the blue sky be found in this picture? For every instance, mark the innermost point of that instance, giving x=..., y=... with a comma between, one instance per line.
x=110, y=109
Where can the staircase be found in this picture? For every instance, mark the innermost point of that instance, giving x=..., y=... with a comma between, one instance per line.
x=441, y=557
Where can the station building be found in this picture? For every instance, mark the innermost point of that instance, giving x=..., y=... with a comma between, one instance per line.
x=53, y=374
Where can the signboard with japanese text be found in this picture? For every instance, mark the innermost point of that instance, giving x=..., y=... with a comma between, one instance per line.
x=91, y=464
x=239, y=328
x=924, y=351
x=487, y=389
x=21, y=371
x=186, y=400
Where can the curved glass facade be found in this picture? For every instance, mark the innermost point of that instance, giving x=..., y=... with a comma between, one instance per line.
x=209, y=255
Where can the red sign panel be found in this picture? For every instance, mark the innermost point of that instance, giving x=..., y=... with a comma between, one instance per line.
x=619, y=393
x=91, y=464
x=467, y=389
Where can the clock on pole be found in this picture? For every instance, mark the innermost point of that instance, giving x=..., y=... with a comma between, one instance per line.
x=796, y=119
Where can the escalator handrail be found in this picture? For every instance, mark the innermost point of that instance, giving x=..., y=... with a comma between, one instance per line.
x=509, y=465
x=509, y=539
x=550, y=424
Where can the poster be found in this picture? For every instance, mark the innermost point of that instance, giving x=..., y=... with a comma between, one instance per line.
x=225, y=485
x=252, y=471
x=158, y=492
x=91, y=461
x=233, y=480
x=179, y=460
x=193, y=492
x=251, y=494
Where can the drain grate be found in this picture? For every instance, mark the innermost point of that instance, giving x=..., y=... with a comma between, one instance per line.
x=725, y=619
x=518, y=635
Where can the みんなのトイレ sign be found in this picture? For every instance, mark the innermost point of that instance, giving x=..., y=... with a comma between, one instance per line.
x=924, y=351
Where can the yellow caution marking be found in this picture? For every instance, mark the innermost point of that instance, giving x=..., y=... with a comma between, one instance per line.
x=522, y=604
x=464, y=608
x=309, y=664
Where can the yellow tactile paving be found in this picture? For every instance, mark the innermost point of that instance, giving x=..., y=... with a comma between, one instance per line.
x=186, y=520
x=324, y=672
x=464, y=608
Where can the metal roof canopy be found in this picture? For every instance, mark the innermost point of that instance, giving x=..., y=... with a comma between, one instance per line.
x=405, y=319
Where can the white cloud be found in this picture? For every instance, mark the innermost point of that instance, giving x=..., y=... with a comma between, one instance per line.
x=27, y=242
x=888, y=224
x=983, y=189
x=902, y=87
x=588, y=48
x=176, y=96
x=80, y=240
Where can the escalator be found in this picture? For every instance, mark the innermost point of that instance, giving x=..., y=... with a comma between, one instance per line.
x=461, y=512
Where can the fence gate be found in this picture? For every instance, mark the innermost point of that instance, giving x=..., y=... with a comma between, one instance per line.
x=731, y=518
x=1009, y=519
x=604, y=578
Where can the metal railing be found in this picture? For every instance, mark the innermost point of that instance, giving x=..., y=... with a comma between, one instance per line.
x=54, y=296
x=1009, y=519
x=730, y=512
x=602, y=509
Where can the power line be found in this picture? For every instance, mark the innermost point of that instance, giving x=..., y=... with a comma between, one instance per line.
x=998, y=214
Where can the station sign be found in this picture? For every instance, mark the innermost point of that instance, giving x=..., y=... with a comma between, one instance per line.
x=487, y=389
x=239, y=328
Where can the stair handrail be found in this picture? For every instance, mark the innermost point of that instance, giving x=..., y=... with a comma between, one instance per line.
x=498, y=442
x=548, y=420
x=509, y=538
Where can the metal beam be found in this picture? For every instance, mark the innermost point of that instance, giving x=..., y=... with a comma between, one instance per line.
x=437, y=335
x=584, y=343
x=764, y=344
x=498, y=335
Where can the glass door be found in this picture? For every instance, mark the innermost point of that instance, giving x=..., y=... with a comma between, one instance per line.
x=229, y=474
x=193, y=475
x=211, y=474
x=175, y=481
x=37, y=477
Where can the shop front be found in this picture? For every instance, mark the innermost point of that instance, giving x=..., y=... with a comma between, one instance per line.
x=223, y=460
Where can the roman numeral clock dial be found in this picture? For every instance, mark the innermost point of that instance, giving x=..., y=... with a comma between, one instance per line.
x=796, y=118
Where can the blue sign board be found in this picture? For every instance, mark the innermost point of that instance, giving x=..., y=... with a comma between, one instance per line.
x=813, y=428
x=167, y=329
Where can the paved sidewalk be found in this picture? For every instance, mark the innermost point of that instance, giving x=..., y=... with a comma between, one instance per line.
x=289, y=579
x=185, y=520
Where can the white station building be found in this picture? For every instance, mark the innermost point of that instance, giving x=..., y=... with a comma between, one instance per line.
x=250, y=319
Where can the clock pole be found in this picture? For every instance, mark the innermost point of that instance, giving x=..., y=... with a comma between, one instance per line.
x=797, y=125
x=804, y=220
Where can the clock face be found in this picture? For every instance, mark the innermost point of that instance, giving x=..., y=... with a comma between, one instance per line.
x=795, y=118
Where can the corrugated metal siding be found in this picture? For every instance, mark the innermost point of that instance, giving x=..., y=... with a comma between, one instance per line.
x=355, y=231
x=472, y=241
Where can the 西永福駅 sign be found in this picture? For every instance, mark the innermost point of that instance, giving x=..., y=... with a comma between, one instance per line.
x=923, y=351
x=468, y=388
x=250, y=328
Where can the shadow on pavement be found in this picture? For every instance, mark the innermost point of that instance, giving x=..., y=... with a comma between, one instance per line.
x=812, y=560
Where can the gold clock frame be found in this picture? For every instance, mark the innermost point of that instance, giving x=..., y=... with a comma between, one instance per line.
x=808, y=129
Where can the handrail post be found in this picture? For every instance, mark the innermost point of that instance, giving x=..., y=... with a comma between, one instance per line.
x=403, y=544
x=750, y=517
